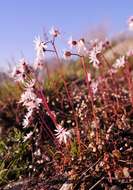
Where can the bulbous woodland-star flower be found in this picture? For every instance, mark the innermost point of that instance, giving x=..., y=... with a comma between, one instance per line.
x=120, y=62
x=40, y=46
x=93, y=54
x=54, y=32
x=62, y=134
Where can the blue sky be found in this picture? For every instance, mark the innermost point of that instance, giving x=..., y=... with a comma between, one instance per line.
x=22, y=20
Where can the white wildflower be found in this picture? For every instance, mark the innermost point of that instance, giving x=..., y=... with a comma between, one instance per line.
x=40, y=46
x=17, y=75
x=39, y=161
x=38, y=152
x=30, y=100
x=72, y=43
x=129, y=53
x=27, y=95
x=26, y=119
x=62, y=134
x=94, y=42
x=29, y=113
x=23, y=65
x=19, y=72
x=54, y=32
x=81, y=42
x=106, y=43
x=33, y=103
x=25, y=122
x=119, y=62
x=94, y=86
x=67, y=54
x=130, y=23
x=93, y=54
x=81, y=47
x=27, y=136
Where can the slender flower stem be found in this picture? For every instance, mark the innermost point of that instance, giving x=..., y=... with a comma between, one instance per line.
x=106, y=83
x=47, y=108
x=50, y=133
x=91, y=96
x=129, y=80
x=55, y=50
x=68, y=95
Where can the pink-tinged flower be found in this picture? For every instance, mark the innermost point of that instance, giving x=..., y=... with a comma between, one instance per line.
x=54, y=32
x=81, y=47
x=30, y=100
x=40, y=46
x=17, y=75
x=81, y=42
x=62, y=134
x=94, y=86
x=27, y=96
x=94, y=42
x=130, y=23
x=106, y=44
x=19, y=71
x=27, y=136
x=119, y=62
x=67, y=55
x=23, y=66
x=93, y=59
x=33, y=103
x=93, y=54
x=129, y=53
x=72, y=43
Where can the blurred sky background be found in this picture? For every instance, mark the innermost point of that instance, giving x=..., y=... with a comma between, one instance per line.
x=22, y=20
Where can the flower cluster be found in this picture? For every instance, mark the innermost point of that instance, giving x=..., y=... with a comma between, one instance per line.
x=40, y=46
x=79, y=45
x=21, y=71
x=54, y=32
x=93, y=53
x=119, y=62
x=62, y=134
x=30, y=100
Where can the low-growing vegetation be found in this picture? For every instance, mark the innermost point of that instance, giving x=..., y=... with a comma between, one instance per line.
x=70, y=128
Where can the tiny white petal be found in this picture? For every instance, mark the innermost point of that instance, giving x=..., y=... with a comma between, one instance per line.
x=119, y=63
x=40, y=46
x=27, y=136
x=62, y=134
